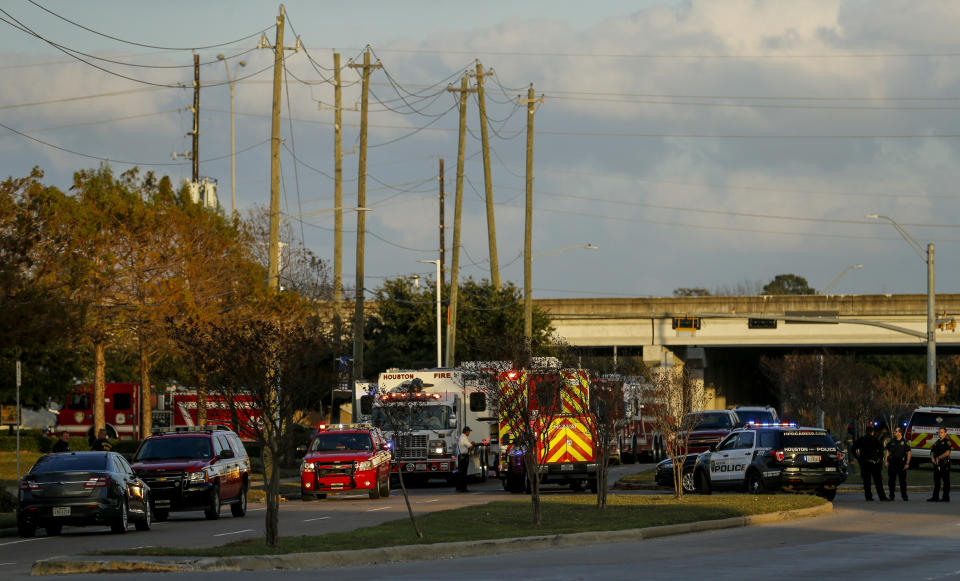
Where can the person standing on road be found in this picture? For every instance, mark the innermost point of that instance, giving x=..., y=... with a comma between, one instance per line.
x=869, y=452
x=464, y=445
x=101, y=443
x=63, y=443
x=897, y=459
x=940, y=457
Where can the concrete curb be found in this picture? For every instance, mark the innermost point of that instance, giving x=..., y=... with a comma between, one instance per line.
x=437, y=551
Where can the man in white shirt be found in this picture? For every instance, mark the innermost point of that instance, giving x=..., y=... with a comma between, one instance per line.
x=463, y=459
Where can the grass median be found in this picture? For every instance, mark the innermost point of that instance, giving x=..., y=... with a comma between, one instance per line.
x=513, y=518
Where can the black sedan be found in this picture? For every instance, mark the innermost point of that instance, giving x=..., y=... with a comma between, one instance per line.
x=82, y=489
x=664, y=475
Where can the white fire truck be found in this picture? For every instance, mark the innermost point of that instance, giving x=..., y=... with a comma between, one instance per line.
x=451, y=400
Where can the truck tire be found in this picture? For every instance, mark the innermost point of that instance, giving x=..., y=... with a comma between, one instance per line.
x=385, y=489
x=755, y=483
x=239, y=508
x=212, y=512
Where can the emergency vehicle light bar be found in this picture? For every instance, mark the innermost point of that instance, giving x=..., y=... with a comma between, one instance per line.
x=326, y=427
x=415, y=395
x=191, y=429
x=772, y=425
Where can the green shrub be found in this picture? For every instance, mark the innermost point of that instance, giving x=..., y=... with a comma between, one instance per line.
x=8, y=501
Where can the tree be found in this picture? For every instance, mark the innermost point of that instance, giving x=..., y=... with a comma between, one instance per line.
x=402, y=333
x=788, y=284
x=676, y=395
x=684, y=292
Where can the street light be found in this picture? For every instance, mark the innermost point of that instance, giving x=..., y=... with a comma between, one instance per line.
x=233, y=147
x=931, y=297
x=439, y=349
x=834, y=282
x=528, y=291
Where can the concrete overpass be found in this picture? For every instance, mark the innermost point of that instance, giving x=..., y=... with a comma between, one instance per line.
x=716, y=335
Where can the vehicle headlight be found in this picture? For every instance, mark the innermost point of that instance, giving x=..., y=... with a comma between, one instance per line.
x=197, y=477
x=438, y=447
x=306, y=466
x=365, y=465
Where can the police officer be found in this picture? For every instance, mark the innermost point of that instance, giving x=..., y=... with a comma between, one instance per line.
x=897, y=458
x=940, y=457
x=101, y=443
x=464, y=445
x=869, y=452
x=63, y=443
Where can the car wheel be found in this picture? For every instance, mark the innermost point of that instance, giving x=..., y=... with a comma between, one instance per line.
x=119, y=525
x=27, y=530
x=755, y=484
x=161, y=514
x=374, y=492
x=828, y=494
x=385, y=488
x=212, y=512
x=146, y=522
x=687, y=481
x=239, y=508
x=702, y=482
x=53, y=529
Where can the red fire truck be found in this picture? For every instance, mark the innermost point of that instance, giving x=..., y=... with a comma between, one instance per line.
x=639, y=437
x=177, y=406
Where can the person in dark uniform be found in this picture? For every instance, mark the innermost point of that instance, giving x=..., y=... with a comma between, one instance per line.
x=940, y=457
x=463, y=459
x=101, y=443
x=869, y=452
x=897, y=458
x=63, y=443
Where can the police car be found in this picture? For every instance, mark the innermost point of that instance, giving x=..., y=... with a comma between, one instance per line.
x=767, y=457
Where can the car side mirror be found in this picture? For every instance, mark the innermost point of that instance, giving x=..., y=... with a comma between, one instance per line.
x=225, y=454
x=452, y=422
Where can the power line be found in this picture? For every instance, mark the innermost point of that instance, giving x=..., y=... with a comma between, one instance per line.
x=192, y=48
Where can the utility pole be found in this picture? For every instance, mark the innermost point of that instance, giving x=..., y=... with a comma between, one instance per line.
x=457, y=213
x=528, y=226
x=273, y=266
x=337, y=186
x=196, y=119
x=358, y=319
x=443, y=229
x=487, y=180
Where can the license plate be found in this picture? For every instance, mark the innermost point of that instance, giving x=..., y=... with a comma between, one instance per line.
x=813, y=458
x=336, y=485
x=566, y=467
x=830, y=469
x=163, y=503
x=421, y=466
x=61, y=511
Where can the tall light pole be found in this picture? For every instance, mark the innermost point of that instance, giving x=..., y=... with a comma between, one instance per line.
x=931, y=300
x=439, y=348
x=834, y=282
x=233, y=141
x=528, y=290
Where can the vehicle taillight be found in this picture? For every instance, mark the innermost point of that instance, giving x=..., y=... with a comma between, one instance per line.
x=841, y=456
x=96, y=482
x=29, y=485
x=777, y=455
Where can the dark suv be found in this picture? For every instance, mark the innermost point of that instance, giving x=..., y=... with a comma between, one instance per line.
x=194, y=469
x=759, y=458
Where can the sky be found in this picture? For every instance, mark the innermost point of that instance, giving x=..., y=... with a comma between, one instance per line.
x=699, y=144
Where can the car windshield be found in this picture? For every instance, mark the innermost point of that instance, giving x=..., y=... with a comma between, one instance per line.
x=69, y=463
x=429, y=417
x=756, y=416
x=807, y=439
x=933, y=421
x=163, y=448
x=711, y=421
x=335, y=442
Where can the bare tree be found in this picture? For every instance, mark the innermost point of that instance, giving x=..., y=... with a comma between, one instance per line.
x=402, y=412
x=676, y=395
x=895, y=397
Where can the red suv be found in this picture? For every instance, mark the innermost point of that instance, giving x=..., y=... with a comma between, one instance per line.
x=708, y=427
x=343, y=458
x=197, y=468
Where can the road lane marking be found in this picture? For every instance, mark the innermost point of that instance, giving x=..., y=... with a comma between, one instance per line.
x=10, y=563
x=234, y=533
x=24, y=541
x=318, y=518
x=376, y=509
x=426, y=501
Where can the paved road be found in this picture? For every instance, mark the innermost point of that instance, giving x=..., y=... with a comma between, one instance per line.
x=191, y=529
